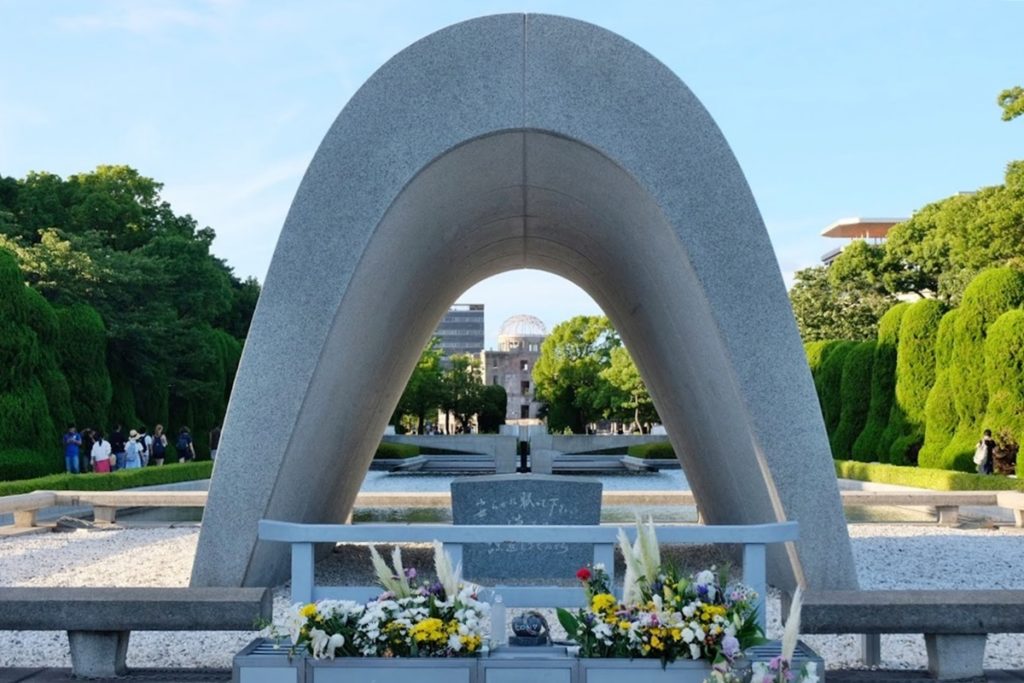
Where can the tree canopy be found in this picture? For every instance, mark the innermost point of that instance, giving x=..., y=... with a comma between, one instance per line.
x=935, y=253
x=136, y=287
x=585, y=374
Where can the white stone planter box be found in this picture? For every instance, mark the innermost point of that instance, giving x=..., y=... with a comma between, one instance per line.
x=641, y=671
x=392, y=670
x=536, y=665
x=261, y=662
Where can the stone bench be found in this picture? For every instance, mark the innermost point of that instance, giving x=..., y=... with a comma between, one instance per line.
x=99, y=620
x=955, y=623
x=946, y=503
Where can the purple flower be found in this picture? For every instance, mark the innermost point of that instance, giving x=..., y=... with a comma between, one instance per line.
x=730, y=646
x=410, y=573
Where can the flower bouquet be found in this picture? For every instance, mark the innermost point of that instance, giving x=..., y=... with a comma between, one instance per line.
x=439, y=619
x=662, y=615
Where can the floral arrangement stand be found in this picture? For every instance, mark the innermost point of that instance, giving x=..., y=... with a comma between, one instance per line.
x=391, y=670
x=802, y=655
x=510, y=664
x=265, y=660
x=643, y=671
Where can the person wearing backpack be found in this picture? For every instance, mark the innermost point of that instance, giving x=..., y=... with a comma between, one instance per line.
x=146, y=443
x=983, y=453
x=184, y=445
x=159, y=446
x=132, y=452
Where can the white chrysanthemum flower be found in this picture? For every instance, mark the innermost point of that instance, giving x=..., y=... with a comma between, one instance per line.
x=694, y=651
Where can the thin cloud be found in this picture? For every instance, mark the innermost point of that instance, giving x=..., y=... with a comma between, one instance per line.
x=148, y=18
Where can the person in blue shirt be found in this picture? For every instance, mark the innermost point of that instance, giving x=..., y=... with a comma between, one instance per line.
x=72, y=442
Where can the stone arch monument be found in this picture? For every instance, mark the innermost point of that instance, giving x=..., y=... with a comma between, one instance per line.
x=522, y=141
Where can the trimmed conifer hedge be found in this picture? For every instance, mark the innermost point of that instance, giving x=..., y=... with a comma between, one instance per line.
x=915, y=375
x=828, y=382
x=988, y=296
x=25, y=420
x=1004, y=376
x=83, y=359
x=855, y=395
x=940, y=413
x=870, y=444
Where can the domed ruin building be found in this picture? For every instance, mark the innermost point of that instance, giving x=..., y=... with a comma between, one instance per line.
x=511, y=366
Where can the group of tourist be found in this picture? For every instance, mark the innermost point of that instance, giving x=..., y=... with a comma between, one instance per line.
x=92, y=451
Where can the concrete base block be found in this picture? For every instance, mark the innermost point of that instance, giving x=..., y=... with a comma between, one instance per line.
x=871, y=649
x=949, y=515
x=955, y=657
x=98, y=654
x=1018, y=518
x=25, y=517
x=104, y=515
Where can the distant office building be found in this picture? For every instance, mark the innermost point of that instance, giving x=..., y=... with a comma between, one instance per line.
x=511, y=366
x=461, y=331
x=869, y=229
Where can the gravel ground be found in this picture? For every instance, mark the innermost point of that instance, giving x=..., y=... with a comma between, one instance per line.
x=887, y=556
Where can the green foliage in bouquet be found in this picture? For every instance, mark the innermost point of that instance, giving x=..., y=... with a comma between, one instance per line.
x=663, y=615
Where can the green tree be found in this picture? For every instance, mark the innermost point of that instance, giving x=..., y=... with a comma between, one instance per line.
x=855, y=392
x=940, y=412
x=988, y=296
x=567, y=375
x=628, y=390
x=828, y=307
x=25, y=421
x=947, y=243
x=493, y=405
x=83, y=355
x=871, y=444
x=915, y=375
x=1011, y=101
x=1004, y=359
x=460, y=391
x=107, y=240
x=423, y=391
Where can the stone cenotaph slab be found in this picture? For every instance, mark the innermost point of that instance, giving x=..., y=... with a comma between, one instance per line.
x=518, y=499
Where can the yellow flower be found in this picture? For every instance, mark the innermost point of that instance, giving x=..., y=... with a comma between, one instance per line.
x=308, y=611
x=603, y=602
x=656, y=642
x=624, y=625
x=677, y=634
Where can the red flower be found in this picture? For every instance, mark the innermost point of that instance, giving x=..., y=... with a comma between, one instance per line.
x=583, y=574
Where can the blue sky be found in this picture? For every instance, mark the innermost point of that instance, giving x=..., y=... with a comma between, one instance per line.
x=834, y=109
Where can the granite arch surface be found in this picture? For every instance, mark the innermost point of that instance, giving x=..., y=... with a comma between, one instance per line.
x=522, y=141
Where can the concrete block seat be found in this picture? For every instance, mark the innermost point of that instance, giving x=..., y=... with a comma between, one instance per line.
x=100, y=620
x=955, y=623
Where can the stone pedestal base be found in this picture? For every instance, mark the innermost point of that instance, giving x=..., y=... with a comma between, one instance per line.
x=98, y=654
x=955, y=657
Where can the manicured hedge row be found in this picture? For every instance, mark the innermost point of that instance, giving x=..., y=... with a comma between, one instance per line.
x=990, y=294
x=871, y=443
x=915, y=375
x=828, y=382
x=123, y=479
x=939, y=480
x=855, y=392
x=652, y=451
x=21, y=463
x=388, y=449
x=939, y=411
x=1004, y=377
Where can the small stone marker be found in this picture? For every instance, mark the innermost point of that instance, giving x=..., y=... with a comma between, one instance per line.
x=517, y=499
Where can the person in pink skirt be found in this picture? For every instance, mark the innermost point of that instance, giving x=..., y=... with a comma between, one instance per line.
x=100, y=454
